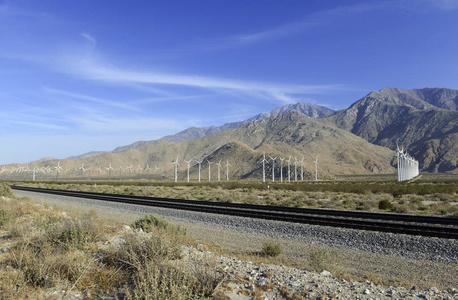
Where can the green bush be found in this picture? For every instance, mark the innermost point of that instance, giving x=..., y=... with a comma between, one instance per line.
x=6, y=191
x=271, y=249
x=150, y=223
x=385, y=204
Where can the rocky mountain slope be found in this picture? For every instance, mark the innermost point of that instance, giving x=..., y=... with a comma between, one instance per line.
x=309, y=109
x=287, y=135
x=423, y=121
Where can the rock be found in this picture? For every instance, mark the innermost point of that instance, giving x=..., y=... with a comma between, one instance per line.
x=262, y=282
x=326, y=273
x=366, y=292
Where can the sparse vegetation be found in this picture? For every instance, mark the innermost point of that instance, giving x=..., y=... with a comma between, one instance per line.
x=271, y=249
x=51, y=252
x=430, y=195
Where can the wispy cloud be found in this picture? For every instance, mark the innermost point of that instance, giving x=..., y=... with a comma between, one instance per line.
x=305, y=24
x=90, y=98
x=93, y=70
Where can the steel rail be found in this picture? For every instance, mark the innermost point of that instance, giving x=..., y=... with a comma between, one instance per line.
x=385, y=222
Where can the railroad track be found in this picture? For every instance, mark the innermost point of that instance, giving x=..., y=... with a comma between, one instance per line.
x=432, y=226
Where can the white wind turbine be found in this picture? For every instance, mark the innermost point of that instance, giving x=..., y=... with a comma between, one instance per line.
x=199, y=163
x=302, y=169
x=155, y=168
x=264, y=168
x=109, y=168
x=139, y=168
x=209, y=170
x=58, y=169
x=130, y=168
x=227, y=170
x=99, y=169
x=189, y=164
x=147, y=168
x=289, y=169
x=316, y=168
x=219, y=169
x=82, y=169
x=176, y=164
x=281, y=168
x=295, y=169
x=273, y=167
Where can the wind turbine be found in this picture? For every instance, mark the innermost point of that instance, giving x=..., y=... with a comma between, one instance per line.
x=58, y=168
x=302, y=169
x=227, y=170
x=99, y=169
x=273, y=167
x=219, y=168
x=130, y=168
x=109, y=168
x=316, y=168
x=155, y=168
x=289, y=169
x=147, y=168
x=139, y=168
x=295, y=169
x=189, y=163
x=176, y=168
x=209, y=170
x=281, y=168
x=199, y=162
x=264, y=168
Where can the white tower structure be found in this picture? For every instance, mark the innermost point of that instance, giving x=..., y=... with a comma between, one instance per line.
x=273, y=167
x=176, y=164
x=199, y=163
x=227, y=170
x=316, y=168
x=209, y=170
x=302, y=169
x=264, y=168
x=219, y=169
x=189, y=164
x=289, y=169
x=281, y=168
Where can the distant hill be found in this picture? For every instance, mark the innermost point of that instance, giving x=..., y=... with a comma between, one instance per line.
x=291, y=134
x=425, y=121
x=192, y=133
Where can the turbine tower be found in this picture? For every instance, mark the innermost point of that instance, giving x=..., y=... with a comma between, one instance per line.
x=264, y=168
x=227, y=170
x=273, y=167
x=188, y=162
x=281, y=168
x=295, y=169
x=209, y=169
x=176, y=168
x=109, y=168
x=289, y=169
x=219, y=169
x=316, y=168
x=58, y=168
x=302, y=169
x=199, y=163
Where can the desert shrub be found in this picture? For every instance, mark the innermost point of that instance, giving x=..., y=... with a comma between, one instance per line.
x=5, y=217
x=320, y=259
x=154, y=223
x=385, y=204
x=73, y=233
x=6, y=191
x=271, y=249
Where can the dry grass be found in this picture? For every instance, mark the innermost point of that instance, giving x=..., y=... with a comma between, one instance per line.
x=51, y=255
x=436, y=198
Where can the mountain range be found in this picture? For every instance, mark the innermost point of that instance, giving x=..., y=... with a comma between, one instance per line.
x=356, y=140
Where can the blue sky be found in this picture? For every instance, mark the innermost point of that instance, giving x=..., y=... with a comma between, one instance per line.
x=80, y=76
